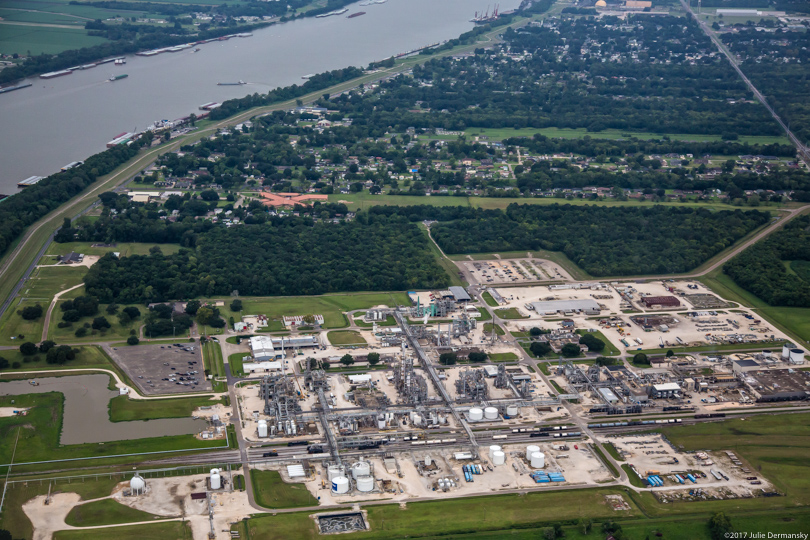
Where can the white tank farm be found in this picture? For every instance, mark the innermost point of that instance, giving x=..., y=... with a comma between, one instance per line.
x=797, y=356
x=361, y=468
x=538, y=460
x=494, y=448
x=216, y=479
x=512, y=410
x=491, y=413
x=333, y=471
x=365, y=483
x=476, y=414
x=498, y=457
x=340, y=485
x=137, y=484
x=786, y=350
x=531, y=449
x=262, y=428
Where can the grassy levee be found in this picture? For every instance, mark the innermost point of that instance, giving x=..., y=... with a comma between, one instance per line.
x=105, y=512
x=272, y=492
x=124, y=409
x=173, y=530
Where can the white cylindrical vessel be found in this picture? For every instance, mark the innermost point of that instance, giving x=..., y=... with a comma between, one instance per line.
x=797, y=356
x=340, y=485
x=365, y=483
x=262, y=428
x=498, y=458
x=216, y=479
x=361, y=468
x=538, y=460
x=786, y=350
x=492, y=449
x=476, y=414
x=428, y=461
x=491, y=413
x=512, y=410
x=333, y=471
x=531, y=449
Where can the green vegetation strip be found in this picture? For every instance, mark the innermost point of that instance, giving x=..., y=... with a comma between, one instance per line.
x=510, y=313
x=237, y=364
x=346, y=337
x=174, y=530
x=634, y=479
x=105, y=512
x=614, y=453
x=272, y=492
x=605, y=461
x=488, y=299
x=124, y=409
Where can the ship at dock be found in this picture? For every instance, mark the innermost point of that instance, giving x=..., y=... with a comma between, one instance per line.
x=118, y=77
x=485, y=17
x=372, y=2
x=353, y=15
x=331, y=13
x=53, y=74
x=12, y=88
x=120, y=61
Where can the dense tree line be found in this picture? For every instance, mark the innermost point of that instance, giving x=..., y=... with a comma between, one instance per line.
x=604, y=241
x=294, y=257
x=761, y=269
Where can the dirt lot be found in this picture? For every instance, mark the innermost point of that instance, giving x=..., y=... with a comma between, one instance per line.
x=155, y=362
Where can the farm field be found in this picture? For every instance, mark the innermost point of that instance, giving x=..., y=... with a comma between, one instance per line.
x=23, y=39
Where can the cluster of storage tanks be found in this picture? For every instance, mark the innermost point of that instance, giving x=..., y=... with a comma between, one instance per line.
x=489, y=413
x=791, y=354
x=288, y=428
x=360, y=472
x=535, y=457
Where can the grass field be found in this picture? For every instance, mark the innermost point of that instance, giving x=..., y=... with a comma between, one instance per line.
x=272, y=492
x=503, y=357
x=105, y=512
x=610, y=449
x=389, y=321
x=12, y=325
x=125, y=249
x=598, y=451
x=609, y=350
x=237, y=364
x=331, y=306
x=88, y=357
x=173, y=530
x=123, y=409
x=39, y=17
x=212, y=359
x=509, y=313
x=345, y=337
x=634, y=479
x=485, y=316
x=23, y=39
x=488, y=299
x=45, y=282
x=116, y=332
x=489, y=327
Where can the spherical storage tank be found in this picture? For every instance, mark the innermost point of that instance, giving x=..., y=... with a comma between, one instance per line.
x=491, y=413
x=216, y=479
x=137, y=484
x=262, y=428
x=512, y=410
x=365, y=483
x=797, y=356
x=476, y=414
x=498, y=458
x=361, y=468
x=531, y=449
x=538, y=460
x=340, y=485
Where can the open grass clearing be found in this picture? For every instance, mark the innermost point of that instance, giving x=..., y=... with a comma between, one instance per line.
x=236, y=363
x=485, y=316
x=490, y=327
x=609, y=350
x=45, y=282
x=116, y=332
x=503, y=357
x=510, y=313
x=105, y=512
x=598, y=451
x=272, y=492
x=124, y=249
x=212, y=359
x=25, y=38
x=345, y=337
x=12, y=325
x=172, y=530
x=491, y=302
x=87, y=358
x=124, y=409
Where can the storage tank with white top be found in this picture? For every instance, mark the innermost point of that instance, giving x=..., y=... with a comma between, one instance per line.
x=512, y=410
x=262, y=428
x=796, y=356
x=428, y=461
x=340, y=485
x=491, y=413
x=494, y=448
x=361, y=468
x=531, y=449
x=137, y=485
x=333, y=471
x=476, y=414
x=498, y=457
x=786, y=350
x=538, y=460
x=216, y=479
x=365, y=483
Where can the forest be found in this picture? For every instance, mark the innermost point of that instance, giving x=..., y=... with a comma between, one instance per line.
x=293, y=257
x=604, y=241
x=775, y=269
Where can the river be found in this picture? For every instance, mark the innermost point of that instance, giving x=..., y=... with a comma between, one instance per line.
x=60, y=120
x=86, y=415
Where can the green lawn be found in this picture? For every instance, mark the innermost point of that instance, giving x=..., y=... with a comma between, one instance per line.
x=503, y=357
x=604, y=460
x=45, y=40
x=88, y=357
x=612, y=451
x=389, y=321
x=488, y=299
x=609, y=350
x=489, y=327
x=173, y=530
x=509, y=313
x=485, y=316
x=212, y=359
x=272, y=492
x=331, y=306
x=450, y=268
x=125, y=249
x=116, y=332
x=105, y=512
x=634, y=479
x=45, y=282
x=13, y=325
x=345, y=337
x=123, y=409
x=236, y=363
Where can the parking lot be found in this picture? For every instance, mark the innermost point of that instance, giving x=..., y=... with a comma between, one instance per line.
x=163, y=369
x=514, y=271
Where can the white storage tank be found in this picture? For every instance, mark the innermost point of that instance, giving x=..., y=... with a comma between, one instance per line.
x=796, y=356
x=498, y=458
x=531, y=449
x=538, y=460
x=428, y=461
x=333, y=471
x=491, y=413
x=786, y=350
x=494, y=448
x=365, y=483
x=216, y=479
x=361, y=468
x=476, y=414
x=262, y=428
x=512, y=410
x=137, y=485
x=766, y=353
x=340, y=485
x=381, y=421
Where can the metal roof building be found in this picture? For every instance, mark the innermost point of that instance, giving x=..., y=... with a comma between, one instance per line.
x=263, y=349
x=460, y=294
x=295, y=342
x=556, y=306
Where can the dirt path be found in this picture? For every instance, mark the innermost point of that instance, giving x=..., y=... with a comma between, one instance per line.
x=50, y=309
